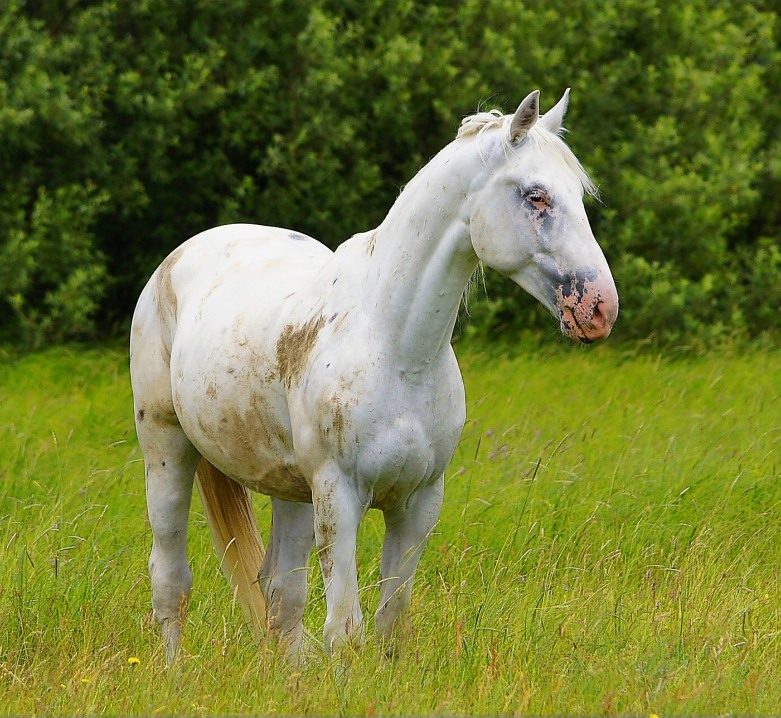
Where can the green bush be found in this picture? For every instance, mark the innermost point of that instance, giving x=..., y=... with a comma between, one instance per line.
x=127, y=127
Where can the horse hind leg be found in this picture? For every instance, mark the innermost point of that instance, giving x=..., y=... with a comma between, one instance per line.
x=283, y=576
x=169, y=458
x=170, y=468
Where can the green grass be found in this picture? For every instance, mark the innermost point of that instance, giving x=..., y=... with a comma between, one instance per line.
x=610, y=542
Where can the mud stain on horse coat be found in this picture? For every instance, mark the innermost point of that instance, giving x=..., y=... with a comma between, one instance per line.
x=167, y=299
x=167, y=303
x=294, y=346
x=334, y=432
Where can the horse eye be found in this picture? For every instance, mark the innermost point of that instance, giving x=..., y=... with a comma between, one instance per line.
x=537, y=196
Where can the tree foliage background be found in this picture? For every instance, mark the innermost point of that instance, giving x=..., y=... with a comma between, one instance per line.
x=128, y=126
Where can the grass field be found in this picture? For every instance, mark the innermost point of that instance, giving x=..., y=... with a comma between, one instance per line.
x=610, y=543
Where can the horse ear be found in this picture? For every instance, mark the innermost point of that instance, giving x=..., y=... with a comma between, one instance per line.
x=553, y=119
x=526, y=115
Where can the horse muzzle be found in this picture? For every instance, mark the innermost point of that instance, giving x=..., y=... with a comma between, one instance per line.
x=587, y=307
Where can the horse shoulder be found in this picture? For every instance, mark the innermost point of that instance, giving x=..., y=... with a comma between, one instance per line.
x=387, y=428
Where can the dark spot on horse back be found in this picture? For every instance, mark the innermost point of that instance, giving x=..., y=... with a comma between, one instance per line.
x=140, y=414
x=298, y=236
x=372, y=243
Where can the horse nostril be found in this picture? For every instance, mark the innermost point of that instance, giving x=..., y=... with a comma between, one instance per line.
x=598, y=318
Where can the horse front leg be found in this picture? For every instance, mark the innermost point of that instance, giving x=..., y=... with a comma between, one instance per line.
x=407, y=529
x=338, y=512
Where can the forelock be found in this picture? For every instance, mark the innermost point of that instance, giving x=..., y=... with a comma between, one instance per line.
x=543, y=140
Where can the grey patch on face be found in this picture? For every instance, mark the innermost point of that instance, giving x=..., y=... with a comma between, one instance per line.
x=574, y=285
x=570, y=284
x=298, y=236
x=541, y=214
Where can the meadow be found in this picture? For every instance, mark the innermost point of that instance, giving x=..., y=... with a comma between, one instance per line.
x=609, y=543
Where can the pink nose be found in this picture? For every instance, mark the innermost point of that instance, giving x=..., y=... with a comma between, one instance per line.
x=588, y=316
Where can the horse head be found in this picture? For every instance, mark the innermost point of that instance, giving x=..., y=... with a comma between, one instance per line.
x=527, y=219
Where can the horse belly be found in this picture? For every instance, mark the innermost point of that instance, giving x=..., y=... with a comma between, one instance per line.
x=238, y=420
x=279, y=481
x=253, y=449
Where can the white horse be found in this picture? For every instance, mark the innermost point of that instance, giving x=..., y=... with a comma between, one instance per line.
x=326, y=380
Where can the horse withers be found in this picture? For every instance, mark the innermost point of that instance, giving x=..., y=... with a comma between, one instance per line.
x=262, y=361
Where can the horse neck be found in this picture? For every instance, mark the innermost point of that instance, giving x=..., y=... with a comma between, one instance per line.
x=421, y=259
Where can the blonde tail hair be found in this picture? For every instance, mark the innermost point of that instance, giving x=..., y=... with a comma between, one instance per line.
x=228, y=508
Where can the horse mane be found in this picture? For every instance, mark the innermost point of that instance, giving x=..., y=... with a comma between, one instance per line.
x=481, y=122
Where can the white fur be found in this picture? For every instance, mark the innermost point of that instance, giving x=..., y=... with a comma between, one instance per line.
x=328, y=377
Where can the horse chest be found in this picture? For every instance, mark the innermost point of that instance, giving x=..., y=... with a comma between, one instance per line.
x=396, y=458
x=390, y=434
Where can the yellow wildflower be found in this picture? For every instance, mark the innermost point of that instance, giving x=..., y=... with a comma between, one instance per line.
x=134, y=660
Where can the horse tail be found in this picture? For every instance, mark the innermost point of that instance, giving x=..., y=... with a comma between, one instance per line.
x=228, y=508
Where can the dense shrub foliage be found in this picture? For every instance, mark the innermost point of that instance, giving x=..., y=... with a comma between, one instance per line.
x=126, y=127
